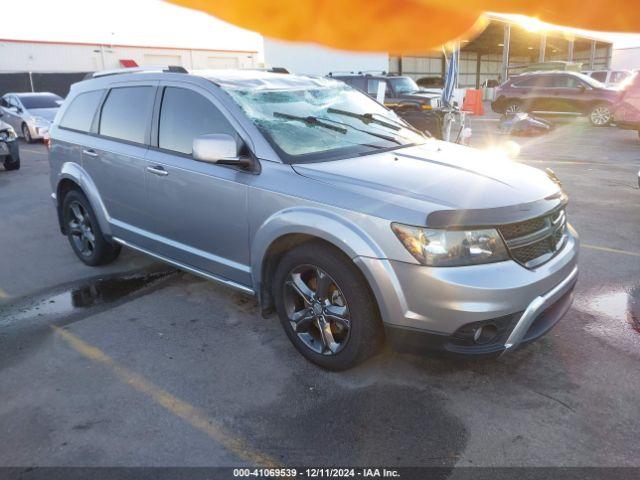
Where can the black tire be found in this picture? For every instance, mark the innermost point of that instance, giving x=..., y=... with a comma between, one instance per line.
x=11, y=164
x=26, y=133
x=364, y=334
x=600, y=115
x=98, y=251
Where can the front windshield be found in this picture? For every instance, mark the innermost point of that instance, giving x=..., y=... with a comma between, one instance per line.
x=403, y=85
x=40, y=101
x=323, y=122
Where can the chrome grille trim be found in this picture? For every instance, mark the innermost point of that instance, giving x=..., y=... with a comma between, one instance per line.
x=535, y=248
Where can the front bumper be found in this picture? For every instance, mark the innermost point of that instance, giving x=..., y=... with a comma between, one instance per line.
x=442, y=307
x=38, y=131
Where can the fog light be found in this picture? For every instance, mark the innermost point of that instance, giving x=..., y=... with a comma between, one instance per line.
x=485, y=334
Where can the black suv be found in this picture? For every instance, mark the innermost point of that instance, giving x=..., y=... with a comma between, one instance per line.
x=421, y=108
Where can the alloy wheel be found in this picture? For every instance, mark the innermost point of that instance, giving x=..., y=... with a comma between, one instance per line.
x=81, y=229
x=26, y=134
x=513, y=108
x=317, y=309
x=600, y=116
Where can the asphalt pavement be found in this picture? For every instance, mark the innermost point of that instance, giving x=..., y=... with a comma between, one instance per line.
x=137, y=364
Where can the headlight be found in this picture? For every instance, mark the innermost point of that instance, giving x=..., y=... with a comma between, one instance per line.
x=8, y=134
x=451, y=248
x=426, y=106
x=41, y=121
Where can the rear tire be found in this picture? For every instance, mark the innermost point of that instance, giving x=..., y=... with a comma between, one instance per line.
x=339, y=326
x=600, y=115
x=83, y=231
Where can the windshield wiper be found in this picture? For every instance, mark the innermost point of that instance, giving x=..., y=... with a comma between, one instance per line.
x=366, y=118
x=371, y=118
x=310, y=120
x=388, y=138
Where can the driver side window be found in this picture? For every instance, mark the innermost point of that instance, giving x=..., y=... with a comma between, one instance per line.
x=185, y=115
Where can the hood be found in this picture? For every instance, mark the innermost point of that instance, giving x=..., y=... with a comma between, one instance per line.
x=420, y=95
x=46, y=113
x=444, y=175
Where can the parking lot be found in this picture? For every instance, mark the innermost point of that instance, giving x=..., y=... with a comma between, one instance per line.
x=138, y=364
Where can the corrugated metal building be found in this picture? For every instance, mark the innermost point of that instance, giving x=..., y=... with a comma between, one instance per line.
x=503, y=48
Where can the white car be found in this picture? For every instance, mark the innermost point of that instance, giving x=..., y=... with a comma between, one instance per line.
x=610, y=78
x=30, y=114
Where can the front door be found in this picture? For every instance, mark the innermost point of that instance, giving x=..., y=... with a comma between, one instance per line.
x=198, y=210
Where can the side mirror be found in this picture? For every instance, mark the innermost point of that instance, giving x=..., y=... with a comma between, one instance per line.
x=220, y=148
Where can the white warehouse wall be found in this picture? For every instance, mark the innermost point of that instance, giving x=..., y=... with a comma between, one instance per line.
x=310, y=59
x=625, y=58
x=60, y=57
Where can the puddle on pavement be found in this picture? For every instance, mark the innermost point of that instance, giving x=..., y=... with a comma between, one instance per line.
x=618, y=316
x=95, y=293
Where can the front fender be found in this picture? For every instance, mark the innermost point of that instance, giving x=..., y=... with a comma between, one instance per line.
x=74, y=172
x=316, y=222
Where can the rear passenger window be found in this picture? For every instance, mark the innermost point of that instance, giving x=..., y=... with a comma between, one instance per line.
x=80, y=113
x=126, y=113
x=186, y=115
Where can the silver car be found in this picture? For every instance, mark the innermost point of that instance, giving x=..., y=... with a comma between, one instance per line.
x=30, y=114
x=321, y=202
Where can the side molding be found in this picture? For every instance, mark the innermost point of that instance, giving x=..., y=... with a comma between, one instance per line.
x=313, y=221
x=77, y=174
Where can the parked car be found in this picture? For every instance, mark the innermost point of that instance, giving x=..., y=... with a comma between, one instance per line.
x=420, y=107
x=321, y=202
x=610, y=78
x=627, y=110
x=9, y=152
x=559, y=93
x=30, y=114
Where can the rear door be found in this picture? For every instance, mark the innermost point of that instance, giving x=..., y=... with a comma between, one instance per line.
x=115, y=157
x=568, y=94
x=198, y=209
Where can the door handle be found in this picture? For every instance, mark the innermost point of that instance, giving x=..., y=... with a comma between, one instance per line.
x=90, y=152
x=158, y=170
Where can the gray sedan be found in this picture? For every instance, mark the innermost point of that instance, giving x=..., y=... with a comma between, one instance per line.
x=30, y=114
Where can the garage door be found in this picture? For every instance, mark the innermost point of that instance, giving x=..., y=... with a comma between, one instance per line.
x=222, y=62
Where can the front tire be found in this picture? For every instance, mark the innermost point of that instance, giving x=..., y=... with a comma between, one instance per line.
x=11, y=163
x=325, y=306
x=83, y=231
x=600, y=115
x=26, y=133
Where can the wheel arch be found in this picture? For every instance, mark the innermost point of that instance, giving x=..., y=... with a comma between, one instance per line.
x=74, y=177
x=288, y=229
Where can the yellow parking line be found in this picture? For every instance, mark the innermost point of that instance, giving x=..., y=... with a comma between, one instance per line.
x=174, y=405
x=610, y=250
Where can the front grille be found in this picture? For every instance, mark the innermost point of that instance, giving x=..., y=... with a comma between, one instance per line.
x=535, y=241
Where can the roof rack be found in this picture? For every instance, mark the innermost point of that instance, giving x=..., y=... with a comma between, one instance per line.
x=342, y=72
x=121, y=71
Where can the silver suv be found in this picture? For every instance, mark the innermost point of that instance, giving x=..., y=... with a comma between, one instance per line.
x=323, y=203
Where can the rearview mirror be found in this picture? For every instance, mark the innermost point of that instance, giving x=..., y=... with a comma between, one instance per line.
x=220, y=148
